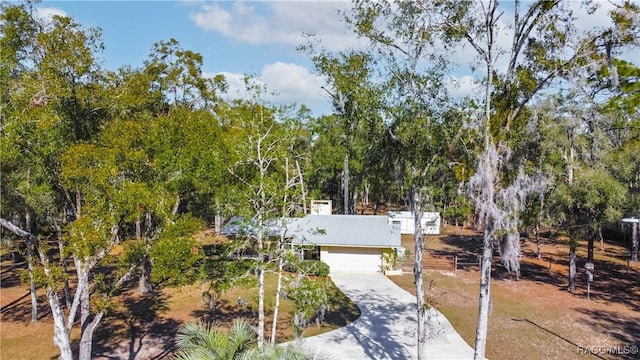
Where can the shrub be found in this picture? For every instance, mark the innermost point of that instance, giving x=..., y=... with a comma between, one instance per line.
x=309, y=267
x=310, y=301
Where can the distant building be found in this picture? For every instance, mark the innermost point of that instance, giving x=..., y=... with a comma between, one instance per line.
x=321, y=207
x=430, y=222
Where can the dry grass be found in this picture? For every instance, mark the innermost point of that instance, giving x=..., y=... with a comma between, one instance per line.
x=536, y=317
x=143, y=327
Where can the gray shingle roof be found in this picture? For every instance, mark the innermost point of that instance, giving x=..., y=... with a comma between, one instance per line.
x=345, y=230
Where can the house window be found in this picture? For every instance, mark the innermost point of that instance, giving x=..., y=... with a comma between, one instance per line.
x=312, y=253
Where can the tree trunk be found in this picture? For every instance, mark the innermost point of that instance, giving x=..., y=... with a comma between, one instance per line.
x=144, y=283
x=634, y=242
x=417, y=271
x=303, y=192
x=601, y=238
x=572, y=269
x=86, y=340
x=30, y=267
x=176, y=206
x=261, y=318
x=217, y=219
x=538, y=250
x=138, y=228
x=345, y=195
x=61, y=336
x=276, y=308
x=590, y=245
x=63, y=264
x=485, y=294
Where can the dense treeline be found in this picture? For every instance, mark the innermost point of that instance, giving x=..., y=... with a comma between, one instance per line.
x=148, y=154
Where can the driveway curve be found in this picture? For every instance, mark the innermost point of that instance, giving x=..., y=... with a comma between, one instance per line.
x=386, y=328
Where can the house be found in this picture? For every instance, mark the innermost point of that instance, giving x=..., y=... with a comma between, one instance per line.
x=321, y=207
x=430, y=222
x=352, y=243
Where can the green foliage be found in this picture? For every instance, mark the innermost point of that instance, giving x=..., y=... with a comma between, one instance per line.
x=224, y=273
x=598, y=195
x=392, y=258
x=89, y=236
x=308, y=267
x=199, y=340
x=310, y=300
x=176, y=253
x=290, y=351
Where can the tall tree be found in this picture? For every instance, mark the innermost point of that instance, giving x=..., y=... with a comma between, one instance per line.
x=47, y=69
x=256, y=163
x=537, y=56
x=355, y=100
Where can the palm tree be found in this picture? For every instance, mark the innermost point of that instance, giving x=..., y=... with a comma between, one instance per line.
x=290, y=351
x=202, y=341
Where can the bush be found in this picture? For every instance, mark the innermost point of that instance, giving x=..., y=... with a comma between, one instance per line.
x=310, y=301
x=309, y=267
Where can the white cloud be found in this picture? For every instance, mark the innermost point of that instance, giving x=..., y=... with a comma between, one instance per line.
x=460, y=87
x=46, y=14
x=279, y=22
x=293, y=83
x=286, y=83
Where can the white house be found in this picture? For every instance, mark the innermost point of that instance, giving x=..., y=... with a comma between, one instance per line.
x=351, y=243
x=430, y=222
x=347, y=243
x=321, y=207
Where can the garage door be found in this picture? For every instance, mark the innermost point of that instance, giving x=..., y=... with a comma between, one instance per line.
x=351, y=259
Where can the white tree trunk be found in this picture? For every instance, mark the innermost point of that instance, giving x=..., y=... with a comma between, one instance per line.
x=30, y=268
x=421, y=307
x=276, y=309
x=634, y=242
x=303, y=191
x=261, y=317
x=485, y=296
x=32, y=285
x=63, y=264
x=63, y=323
x=345, y=194
x=61, y=336
x=572, y=269
x=86, y=340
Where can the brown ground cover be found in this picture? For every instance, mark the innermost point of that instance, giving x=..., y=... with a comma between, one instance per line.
x=536, y=317
x=143, y=327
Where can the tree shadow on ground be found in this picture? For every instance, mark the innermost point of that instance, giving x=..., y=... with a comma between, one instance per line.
x=614, y=281
x=139, y=321
x=624, y=329
x=224, y=313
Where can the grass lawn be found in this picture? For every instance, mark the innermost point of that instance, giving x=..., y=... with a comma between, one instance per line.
x=536, y=317
x=144, y=327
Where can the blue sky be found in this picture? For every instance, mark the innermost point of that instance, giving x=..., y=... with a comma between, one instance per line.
x=256, y=38
x=235, y=38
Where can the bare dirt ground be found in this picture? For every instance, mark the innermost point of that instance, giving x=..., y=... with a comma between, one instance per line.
x=536, y=317
x=142, y=326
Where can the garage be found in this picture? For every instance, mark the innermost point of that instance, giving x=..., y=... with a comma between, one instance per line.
x=351, y=259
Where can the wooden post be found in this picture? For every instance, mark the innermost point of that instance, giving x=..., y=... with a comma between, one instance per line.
x=628, y=265
x=455, y=263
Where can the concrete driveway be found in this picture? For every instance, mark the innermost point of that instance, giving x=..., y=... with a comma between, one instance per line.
x=386, y=328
